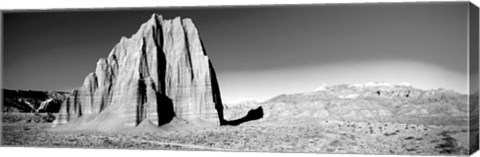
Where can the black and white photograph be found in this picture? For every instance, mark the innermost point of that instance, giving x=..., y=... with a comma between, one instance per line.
x=362, y=78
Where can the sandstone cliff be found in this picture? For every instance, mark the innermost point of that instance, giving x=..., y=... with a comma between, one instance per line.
x=160, y=72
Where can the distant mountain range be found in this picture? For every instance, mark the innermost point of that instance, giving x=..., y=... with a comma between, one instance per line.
x=372, y=101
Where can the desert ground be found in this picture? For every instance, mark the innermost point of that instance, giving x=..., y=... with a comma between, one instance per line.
x=294, y=135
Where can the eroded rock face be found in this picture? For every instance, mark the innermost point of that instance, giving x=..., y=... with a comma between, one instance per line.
x=161, y=72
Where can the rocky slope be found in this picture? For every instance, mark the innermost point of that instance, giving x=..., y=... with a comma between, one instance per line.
x=32, y=101
x=372, y=101
x=159, y=73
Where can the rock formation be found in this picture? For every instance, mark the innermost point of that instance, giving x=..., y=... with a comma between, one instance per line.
x=160, y=72
x=32, y=101
x=44, y=104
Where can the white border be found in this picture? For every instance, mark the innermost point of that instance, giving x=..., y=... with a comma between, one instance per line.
x=8, y=5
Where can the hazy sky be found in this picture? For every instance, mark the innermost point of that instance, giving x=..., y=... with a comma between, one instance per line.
x=257, y=52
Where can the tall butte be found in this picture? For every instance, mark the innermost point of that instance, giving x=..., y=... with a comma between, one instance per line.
x=160, y=73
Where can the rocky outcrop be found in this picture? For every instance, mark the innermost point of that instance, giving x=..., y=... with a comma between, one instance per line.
x=45, y=104
x=159, y=73
x=236, y=111
x=32, y=101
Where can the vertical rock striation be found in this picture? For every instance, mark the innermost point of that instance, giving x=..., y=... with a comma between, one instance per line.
x=159, y=73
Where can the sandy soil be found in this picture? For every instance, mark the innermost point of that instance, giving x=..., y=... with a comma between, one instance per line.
x=324, y=136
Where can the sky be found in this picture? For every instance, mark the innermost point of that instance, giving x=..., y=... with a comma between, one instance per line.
x=258, y=52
